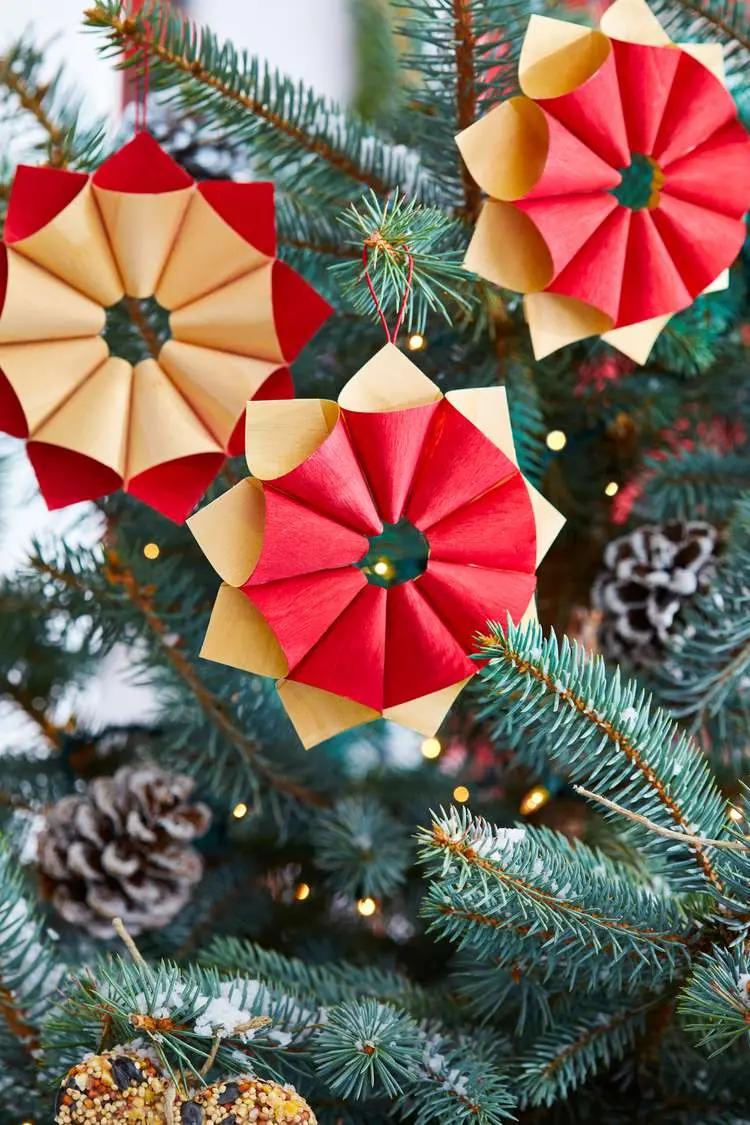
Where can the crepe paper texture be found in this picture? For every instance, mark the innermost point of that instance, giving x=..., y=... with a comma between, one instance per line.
x=140, y=227
x=617, y=181
x=301, y=547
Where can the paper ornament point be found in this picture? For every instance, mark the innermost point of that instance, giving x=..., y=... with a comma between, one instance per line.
x=300, y=310
x=67, y=477
x=141, y=167
x=318, y=715
x=249, y=209
x=175, y=487
x=37, y=196
x=11, y=411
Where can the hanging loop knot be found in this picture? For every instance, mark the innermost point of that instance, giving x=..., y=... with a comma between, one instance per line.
x=377, y=242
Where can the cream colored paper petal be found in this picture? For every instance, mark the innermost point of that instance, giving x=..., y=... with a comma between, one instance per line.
x=162, y=425
x=239, y=635
x=236, y=318
x=426, y=713
x=558, y=56
x=506, y=150
x=711, y=55
x=282, y=433
x=317, y=715
x=94, y=420
x=487, y=408
x=388, y=381
x=39, y=306
x=555, y=321
x=216, y=384
x=44, y=375
x=549, y=522
x=634, y=22
x=207, y=254
x=718, y=284
x=142, y=229
x=530, y=614
x=74, y=246
x=636, y=340
x=507, y=249
x=229, y=531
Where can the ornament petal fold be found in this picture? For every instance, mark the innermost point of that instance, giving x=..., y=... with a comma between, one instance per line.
x=217, y=384
x=318, y=715
x=425, y=713
x=549, y=522
x=508, y=249
x=228, y=231
x=388, y=381
x=229, y=531
x=36, y=399
x=698, y=241
x=568, y=224
x=698, y=107
x=555, y=320
x=646, y=76
x=595, y=274
x=238, y=635
x=34, y=305
x=636, y=340
x=693, y=177
x=349, y=659
x=467, y=597
x=651, y=284
x=53, y=220
x=487, y=409
x=422, y=655
x=462, y=536
x=634, y=22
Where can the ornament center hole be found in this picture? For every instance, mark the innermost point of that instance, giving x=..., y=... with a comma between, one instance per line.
x=136, y=329
x=399, y=554
x=641, y=183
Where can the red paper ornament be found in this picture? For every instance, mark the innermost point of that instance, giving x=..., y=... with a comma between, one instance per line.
x=140, y=227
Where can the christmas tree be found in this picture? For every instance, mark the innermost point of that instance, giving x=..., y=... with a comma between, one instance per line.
x=539, y=911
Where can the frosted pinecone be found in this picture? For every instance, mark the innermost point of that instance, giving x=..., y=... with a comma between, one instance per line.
x=649, y=576
x=124, y=849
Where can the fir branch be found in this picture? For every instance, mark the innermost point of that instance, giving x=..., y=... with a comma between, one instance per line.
x=140, y=321
x=715, y=14
x=31, y=98
x=715, y=1002
x=466, y=97
x=25, y=700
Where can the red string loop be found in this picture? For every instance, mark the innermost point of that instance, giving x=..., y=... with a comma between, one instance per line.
x=139, y=84
x=390, y=336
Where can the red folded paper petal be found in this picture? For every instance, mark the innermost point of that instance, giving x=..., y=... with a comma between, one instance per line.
x=458, y=464
x=571, y=166
x=299, y=310
x=594, y=113
x=422, y=655
x=66, y=477
x=300, y=610
x=467, y=597
x=595, y=274
x=38, y=195
x=497, y=530
x=651, y=285
x=700, y=242
x=646, y=75
x=298, y=540
x=389, y=445
x=331, y=481
x=349, y=659
x=175, y=487
x=12, y=415
x=279, y=384
x=699, y=105
x=693, y=177
x=567, y=224
x=247, y=208
x=141, y=167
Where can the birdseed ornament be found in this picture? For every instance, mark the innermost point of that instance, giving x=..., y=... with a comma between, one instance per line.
x=617, y=182
x=122, y=1086
x=375, y=537
x=142, y=234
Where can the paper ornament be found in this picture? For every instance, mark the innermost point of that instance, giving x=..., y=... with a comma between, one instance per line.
x=140, y=227
x=376, y=536
x=124, y=1086
x=617, y=182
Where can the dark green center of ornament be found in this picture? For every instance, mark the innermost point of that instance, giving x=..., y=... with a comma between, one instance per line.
x=399, y=554
x=639, y=182
x=136, y=329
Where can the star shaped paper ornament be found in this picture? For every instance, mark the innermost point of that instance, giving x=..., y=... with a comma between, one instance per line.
x=140, y=228
x=375, y=538
x=617, y=183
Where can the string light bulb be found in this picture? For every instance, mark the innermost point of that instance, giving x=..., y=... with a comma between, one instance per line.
x=382, y=567
x=735, y=814
x=416, y=342
x=367, y=907
x=431, y=748
x=612, y=488
x=461, y=794
x=240, y=810
x=557, y=440
x=302, y=891
x=534, y=800
x=151, y=551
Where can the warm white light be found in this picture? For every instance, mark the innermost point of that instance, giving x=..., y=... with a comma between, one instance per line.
x=382, y=568
x=556, y=440
x=534, y=800
x=461, y=794
x=302, y=891
x=239, y=810
x=612, y=488
x=151, y=551
x=431, y=748
x=367, y=907
x=734, y=813
x=416, y=342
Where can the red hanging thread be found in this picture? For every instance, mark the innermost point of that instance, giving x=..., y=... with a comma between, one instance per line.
x=390, y=336
x=136, y=88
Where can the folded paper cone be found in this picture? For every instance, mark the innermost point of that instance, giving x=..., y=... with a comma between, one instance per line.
x=157, y=218
x=230, y=531
x=388, y=381
x=162, y=425
x=426, y=713
x=317, y=715
x=34, y=305
x=239, y=317
x=73, y=361
x=305, y=424
x=239, y=636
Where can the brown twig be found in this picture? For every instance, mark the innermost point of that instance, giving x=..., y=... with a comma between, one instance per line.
x=129, y=31
x=127, y=939
x=32, y=100
x=668, y=833
x=149, y=337
x=25, y=700
x=466, y=96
